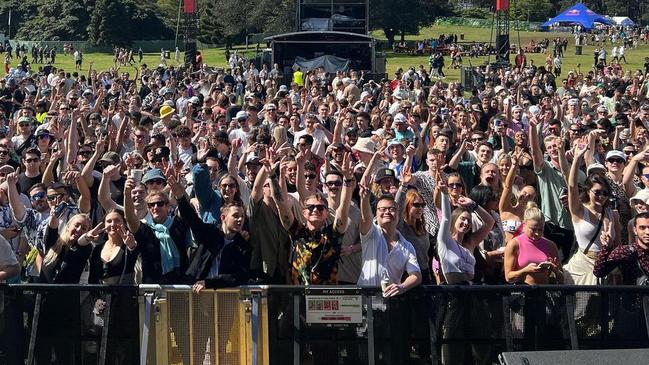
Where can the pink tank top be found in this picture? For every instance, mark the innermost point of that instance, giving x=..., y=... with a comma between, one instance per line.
x=532, y=251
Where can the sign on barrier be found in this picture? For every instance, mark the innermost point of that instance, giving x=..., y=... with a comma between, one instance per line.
x=334, y=306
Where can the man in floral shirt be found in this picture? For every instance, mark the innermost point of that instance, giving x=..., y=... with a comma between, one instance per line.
x=316, y=244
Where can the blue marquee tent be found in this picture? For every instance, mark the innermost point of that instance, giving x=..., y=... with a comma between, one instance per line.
x=578, y=14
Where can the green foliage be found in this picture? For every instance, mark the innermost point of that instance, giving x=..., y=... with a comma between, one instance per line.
x=532, y=10
x=475, y=13
x=401, y=17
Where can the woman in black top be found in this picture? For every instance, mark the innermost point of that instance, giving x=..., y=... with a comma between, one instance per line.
x=114, y=255
x=65, y=253
x=65, y=258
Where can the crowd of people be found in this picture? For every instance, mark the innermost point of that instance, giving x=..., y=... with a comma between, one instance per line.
x=220, y=179
x=113, y=179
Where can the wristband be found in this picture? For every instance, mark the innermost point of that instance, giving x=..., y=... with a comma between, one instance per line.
x=349, y=180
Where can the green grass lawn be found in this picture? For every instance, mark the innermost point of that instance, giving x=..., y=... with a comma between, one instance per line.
x=216, y=57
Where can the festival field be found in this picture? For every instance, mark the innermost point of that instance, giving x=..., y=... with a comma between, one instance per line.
x=216, y=56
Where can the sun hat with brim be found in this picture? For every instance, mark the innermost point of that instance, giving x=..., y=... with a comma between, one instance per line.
x=152, y=175
x=595, y=167
x=166, y=111
x=366, y=145
x=642, y=195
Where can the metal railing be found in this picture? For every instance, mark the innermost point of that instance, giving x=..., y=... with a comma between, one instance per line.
x=89, y=324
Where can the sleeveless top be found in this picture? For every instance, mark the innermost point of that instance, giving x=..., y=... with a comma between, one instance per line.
x=586, y=228
x=530, y=251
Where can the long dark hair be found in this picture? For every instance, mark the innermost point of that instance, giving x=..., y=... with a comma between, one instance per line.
x=591, y=180
x=482, y=195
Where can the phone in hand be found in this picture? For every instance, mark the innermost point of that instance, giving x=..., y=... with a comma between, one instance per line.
x=545, y=265
x=59, y=208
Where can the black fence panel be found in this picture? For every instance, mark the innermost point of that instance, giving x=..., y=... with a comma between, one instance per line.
x=43, y=324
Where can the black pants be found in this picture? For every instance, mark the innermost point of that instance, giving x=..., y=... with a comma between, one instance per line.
x=563, y=238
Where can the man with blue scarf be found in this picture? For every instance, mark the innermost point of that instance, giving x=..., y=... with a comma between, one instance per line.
x=163, y=239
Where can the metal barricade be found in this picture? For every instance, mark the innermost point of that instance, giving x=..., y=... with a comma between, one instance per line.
x=215, y=327
x=93, y=324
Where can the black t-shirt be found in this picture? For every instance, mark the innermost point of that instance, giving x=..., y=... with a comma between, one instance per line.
x=69, y=264
x=646, y=67
x=24, y=183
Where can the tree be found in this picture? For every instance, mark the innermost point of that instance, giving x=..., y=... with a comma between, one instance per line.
x=401, y=17
x=55, y=20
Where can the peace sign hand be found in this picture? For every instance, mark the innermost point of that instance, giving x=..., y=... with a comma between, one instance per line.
x=128, y=238
x=94, y=233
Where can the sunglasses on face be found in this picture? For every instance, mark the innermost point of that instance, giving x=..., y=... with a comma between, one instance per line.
x=600, y=193
x=37, y=196
x=228, y=186
x=158, y=204
x=615, y=160
x=333, y=184
x=31, y=160
x=4, y=152
x=156, y=181
x=54, y=196
x=418, y=205
x=318, y=207
x=455, y=185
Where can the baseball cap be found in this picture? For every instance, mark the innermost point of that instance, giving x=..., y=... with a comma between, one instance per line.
x=253, y=159
x=111, y=157
x=595, y=166
x=241, y=115
x=615, y=153
x=399, y=118
x=383, y=173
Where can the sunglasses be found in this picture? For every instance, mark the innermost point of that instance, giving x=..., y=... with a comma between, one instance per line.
x=30, y=160
x=158, y=204
x=418, y=205
x=455, y=185
x=228, y=186
x=54, y=196
x=310, y=176
x=332, y=184
x=615, y=160
x=156, y=181
x=4, y=152
x=319, y=207
x=38, y=196
x=600, y=193
x=24, y=124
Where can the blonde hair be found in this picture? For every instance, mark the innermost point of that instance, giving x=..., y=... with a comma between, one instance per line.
x=64, y=241
x=532, y=212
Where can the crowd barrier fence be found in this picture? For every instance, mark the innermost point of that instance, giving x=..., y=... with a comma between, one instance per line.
x=149, y=324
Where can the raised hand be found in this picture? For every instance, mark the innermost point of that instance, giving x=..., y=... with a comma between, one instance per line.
x=96, y=232
x=111, y=171
x=465, y=202
x=128, y=238
x=204, y=148
x=347, y=167
x=406, y=174
x=12, y=178
x=607, y=232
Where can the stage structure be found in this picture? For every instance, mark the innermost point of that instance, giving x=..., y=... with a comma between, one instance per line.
x=502, y=32
x=333, y=28
x=190, y=16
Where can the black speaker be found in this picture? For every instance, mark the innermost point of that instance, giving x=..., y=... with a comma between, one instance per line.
x=502, y=47
x=190, y=53
x=575, y=357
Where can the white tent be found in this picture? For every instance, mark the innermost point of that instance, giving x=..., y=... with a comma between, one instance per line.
x=623, y=20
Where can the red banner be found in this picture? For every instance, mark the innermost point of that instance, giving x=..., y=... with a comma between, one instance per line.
x=502, y=5
x=190, y=6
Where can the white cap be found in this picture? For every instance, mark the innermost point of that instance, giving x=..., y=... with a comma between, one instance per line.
x=364, y=94
x=241, y=115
